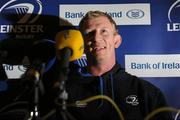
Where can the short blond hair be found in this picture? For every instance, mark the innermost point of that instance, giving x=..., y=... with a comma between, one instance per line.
x=94, y=14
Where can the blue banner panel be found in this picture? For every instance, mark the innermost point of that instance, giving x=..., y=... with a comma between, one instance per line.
x=150, y=31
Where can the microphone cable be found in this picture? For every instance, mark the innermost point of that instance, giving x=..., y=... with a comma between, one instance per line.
x=11, y=105
x=162, y=109
x=90, y=99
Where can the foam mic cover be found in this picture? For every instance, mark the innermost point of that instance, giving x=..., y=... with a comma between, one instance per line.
x=71, y=39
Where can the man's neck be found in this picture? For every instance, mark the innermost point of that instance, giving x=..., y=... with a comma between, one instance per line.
x=100, y=69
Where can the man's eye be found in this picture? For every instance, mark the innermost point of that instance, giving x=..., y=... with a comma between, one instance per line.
x=87, y=34
x=104, y=31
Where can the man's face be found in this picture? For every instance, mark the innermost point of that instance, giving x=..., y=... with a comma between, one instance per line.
x=100, y=39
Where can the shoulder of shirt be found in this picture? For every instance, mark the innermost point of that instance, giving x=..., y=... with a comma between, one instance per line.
x=133, y=80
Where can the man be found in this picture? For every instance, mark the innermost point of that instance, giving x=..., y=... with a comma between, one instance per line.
x=136, y=98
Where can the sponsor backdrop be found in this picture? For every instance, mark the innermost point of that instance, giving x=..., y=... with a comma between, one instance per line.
x=150, y=30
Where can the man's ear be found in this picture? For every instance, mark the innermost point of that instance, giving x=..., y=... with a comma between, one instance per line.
x=118, y=40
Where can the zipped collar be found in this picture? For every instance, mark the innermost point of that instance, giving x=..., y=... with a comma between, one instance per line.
x=115, y=68
x=83, y=71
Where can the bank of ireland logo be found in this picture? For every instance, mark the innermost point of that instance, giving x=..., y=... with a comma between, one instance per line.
x=25, y=10
x=135, y=14
x=174, y=16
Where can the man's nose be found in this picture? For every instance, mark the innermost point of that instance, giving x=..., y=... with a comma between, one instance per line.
x=97, y=36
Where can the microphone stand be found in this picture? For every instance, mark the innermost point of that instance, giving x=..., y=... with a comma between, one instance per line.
x=37, y=72
x=63, y=76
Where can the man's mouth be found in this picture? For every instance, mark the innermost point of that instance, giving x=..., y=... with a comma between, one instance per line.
x=99, y=48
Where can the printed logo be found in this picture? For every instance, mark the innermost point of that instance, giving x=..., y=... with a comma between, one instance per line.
x=135, y=14
x=8, y=67
x=160, y=65
x=123, y=14
x=22, y=68
x=14, y=71
x=25, y=13
x=25, y=9
x=173, y=26
x=132, y=99
x=174, y=6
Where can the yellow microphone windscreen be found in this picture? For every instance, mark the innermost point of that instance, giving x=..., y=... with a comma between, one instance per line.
x=71, y=39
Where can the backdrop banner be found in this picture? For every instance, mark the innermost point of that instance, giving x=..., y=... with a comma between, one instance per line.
x=150, y=31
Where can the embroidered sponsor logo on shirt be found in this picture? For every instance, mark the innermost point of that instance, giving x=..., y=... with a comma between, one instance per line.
x=132, y=99
x=81, y=104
